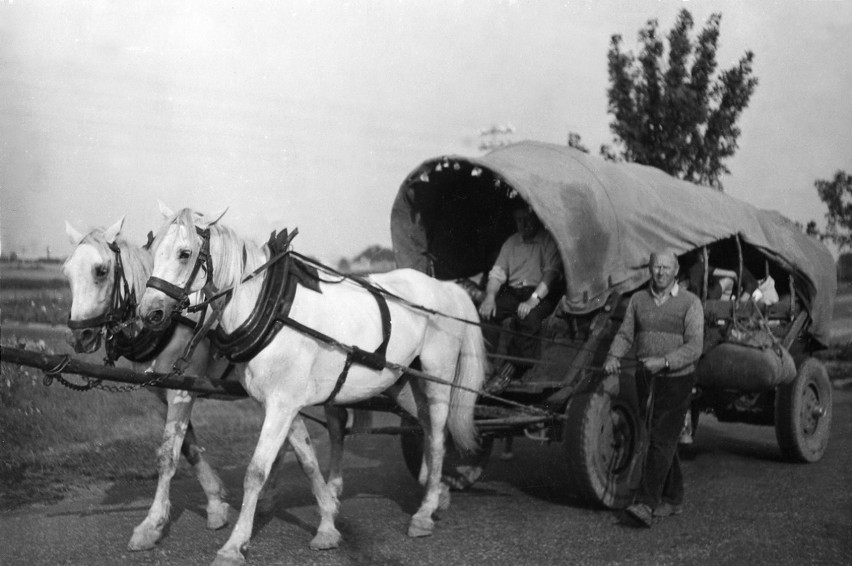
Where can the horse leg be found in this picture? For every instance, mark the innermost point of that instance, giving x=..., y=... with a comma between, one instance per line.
x=336, y=418
x=409, y=397
x=148, y=532
x=433, y=448
x=327, y=536
x=275, y=485
x=211, y=483
x=276, y=425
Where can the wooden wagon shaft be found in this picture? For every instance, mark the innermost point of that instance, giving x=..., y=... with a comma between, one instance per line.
x=47, y=362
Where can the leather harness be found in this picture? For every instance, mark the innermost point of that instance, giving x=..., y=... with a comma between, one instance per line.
x=272, y=309
x=135, y=343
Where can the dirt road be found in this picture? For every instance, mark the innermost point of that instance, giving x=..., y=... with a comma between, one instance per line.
x=744, y=506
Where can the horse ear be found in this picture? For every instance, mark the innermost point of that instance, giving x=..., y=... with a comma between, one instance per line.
x=165, y=210
x=113, y=231
x=206, y=222
x=73, y=235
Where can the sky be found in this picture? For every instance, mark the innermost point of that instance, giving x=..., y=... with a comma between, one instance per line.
x=311, y=114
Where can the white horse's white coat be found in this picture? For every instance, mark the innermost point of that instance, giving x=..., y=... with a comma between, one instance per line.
x=90, y=272
x=296, y=371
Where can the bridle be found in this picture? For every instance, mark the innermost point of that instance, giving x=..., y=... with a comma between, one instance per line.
x=181, y=294
x=122, y=303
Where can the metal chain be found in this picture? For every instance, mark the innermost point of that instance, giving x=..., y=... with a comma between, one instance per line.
x=93, y=383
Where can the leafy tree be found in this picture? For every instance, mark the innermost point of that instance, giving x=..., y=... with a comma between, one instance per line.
x=837, y=196
x=673, y=113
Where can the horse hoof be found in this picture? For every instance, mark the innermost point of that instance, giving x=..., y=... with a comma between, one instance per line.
x=217, y=515
x=326, y=540
x=421, y=527
x=143, y=539
x=229, y=560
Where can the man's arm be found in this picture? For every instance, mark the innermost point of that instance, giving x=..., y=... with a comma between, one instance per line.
x=488, y=307
x=496, y=277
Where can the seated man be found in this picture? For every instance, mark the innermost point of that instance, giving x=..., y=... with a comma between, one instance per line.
x=520, y=286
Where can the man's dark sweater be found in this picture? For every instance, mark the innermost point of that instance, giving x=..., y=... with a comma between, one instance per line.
x=673, y=329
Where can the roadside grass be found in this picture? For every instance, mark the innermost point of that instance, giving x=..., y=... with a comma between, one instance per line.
x=39, y=305
x=54, y=441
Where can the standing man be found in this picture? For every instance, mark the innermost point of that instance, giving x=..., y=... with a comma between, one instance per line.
x=665, y=323
x=520, y=286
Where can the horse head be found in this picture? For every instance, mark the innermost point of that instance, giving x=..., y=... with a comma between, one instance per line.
x=91, y=272
x=181, y=251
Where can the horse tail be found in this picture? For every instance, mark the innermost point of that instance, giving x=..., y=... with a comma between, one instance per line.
x=470, y=374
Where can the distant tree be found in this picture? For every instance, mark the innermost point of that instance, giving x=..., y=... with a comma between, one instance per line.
x=576, y=142
x=844, y=267
x=810, y=229
x=837, y=196
x=343, y=265
x=673, y=113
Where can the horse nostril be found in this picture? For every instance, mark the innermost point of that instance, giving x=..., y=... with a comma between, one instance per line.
x=87, y=335
x=154, y=317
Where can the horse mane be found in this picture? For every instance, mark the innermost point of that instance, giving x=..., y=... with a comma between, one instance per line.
x=226, y=249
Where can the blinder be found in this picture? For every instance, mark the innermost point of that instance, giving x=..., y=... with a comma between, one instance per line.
x=121, y=303
x=181, y=294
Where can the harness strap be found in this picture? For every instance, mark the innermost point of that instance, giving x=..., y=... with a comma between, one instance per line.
x=354, y=355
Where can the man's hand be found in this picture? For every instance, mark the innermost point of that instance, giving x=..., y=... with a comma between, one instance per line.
x=654, y=365
x=488, y=308
x=527, y=306
x=612, y=365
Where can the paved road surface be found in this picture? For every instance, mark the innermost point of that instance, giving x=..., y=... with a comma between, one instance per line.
x=744, y=506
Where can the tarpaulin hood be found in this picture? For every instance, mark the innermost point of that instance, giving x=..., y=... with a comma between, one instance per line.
x=605, y=217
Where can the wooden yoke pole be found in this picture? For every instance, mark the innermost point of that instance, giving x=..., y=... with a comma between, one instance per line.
x=215, y=388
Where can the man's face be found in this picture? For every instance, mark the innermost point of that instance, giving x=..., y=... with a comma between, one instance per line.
x=663, y=271
x=526, y=223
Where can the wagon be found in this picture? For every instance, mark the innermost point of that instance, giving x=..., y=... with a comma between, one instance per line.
x=450, y=218
x=451, y=215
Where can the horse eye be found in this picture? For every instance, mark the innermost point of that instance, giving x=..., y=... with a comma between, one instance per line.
x=184, y=254
x=101, y=271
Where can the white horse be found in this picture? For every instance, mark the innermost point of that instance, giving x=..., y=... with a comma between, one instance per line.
x=298, y=368
x=97, y=269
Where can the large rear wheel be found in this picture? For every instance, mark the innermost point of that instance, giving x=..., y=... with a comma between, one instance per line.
x=602, y=445
x=460, y=471
x=803, y=413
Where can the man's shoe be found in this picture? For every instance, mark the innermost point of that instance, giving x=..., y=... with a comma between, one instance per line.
x=497, y=384
x=501, y=379
x=641, y=514
x=667, y=509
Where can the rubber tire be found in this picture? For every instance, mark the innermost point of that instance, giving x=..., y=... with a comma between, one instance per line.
x=603, y=432
x=803, y=435
x=457, y=467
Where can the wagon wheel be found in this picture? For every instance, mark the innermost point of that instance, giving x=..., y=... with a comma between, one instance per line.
x=803, y=413
x=460, y=471
x=602, y=444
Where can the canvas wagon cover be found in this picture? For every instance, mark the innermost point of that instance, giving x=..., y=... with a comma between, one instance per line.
x=607, y=217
